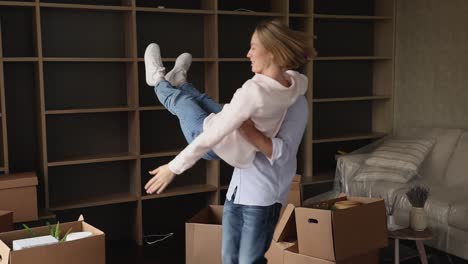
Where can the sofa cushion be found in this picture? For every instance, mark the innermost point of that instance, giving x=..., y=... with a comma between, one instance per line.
x=457, y=170
x=374, y=173
x=401, y=154
x=458, y=214
x=436, y=162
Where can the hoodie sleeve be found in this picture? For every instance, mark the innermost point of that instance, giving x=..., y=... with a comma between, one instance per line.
x=241, y=107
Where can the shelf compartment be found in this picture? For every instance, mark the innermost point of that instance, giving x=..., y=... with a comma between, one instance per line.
x=344, y=7
x=343, y=78
x=105, y=3
x=94, y=159
x=247, y=6
x=63, y=37
x=117, y=221
x=196, y=76
x=300, y=7
x=229, y=29
x=85, y=185
x=195, y=176
x=85, y=85
x=89, y=110
x=358, y=36
x=248, y=13
x=352, y=98
x=190, y=26
x=160, y=132
x=301, y=24
x=84, y=5
x=347, y=17
x=21, y=115
x=326, y=162
x=74, y=136
x=177, y=4
x=17, y=31
x=342, y=119
x=322, y=177
x=18, y=3
x=348, y=58
x=232, y=75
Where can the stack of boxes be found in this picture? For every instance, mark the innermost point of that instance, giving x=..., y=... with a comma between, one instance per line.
x=320, y=234
x=18, y=203
x=317, y=234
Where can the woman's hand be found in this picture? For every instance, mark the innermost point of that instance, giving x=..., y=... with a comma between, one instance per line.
x=162, y=177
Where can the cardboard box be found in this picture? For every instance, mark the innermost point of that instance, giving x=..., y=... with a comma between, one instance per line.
x=18, y=194
x=90, y=250
x=284, y=236
x=294, y=195
x=291, y=255
x=333, y=234
x=203, y=236
x=6, y=221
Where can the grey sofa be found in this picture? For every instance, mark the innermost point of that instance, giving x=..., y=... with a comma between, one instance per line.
x=444, y=171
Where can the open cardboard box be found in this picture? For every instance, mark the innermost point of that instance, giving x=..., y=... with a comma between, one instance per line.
x=90, y=250
x=18, y=194
x=284, y=236
x=342, y=233
x=6, y=221
x=291, y=255
x=203, y=236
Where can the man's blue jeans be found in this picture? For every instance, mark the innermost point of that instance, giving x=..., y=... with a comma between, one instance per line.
x=190, y=106
x=247, y=232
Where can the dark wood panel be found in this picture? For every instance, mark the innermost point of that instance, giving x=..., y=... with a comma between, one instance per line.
x=20, y=94
x=76, y=183
x=76, y=135
x=342, y=119
x=66, y=33
x=174, y=33
x=84, y=85
x=17, y=31
x=334, y=79
x=344, y=7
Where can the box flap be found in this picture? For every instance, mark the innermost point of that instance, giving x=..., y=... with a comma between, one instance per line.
x=18, y=180
x=211, y=215
x=291, y=255
x=6, y=221
x=4, y=253
x=286, y=225
x=315, y=233
x=366, y=221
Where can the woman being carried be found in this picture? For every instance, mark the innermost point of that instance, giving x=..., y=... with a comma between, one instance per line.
x=212, y=130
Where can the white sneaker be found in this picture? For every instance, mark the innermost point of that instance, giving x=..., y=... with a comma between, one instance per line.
x=178, y=75
x=154, y=68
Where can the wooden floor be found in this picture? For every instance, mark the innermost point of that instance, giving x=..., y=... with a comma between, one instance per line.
x=172, y=251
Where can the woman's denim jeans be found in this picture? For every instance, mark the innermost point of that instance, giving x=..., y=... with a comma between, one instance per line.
x=190, y=106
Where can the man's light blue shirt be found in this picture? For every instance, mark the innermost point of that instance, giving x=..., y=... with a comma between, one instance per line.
x=268, y=181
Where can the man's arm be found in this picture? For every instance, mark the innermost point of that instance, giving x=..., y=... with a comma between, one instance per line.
x=288, y=138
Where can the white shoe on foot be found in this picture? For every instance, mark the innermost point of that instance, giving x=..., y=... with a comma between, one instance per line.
x=178, y=75
x=154, y=68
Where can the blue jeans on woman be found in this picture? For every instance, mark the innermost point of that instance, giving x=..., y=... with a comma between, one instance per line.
x=190, y=106
x=247, y=229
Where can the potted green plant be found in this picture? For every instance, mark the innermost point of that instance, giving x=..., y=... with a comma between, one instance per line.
x=417, y=196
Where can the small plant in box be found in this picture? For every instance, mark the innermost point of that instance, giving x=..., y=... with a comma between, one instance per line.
x=54, y=230
x=417, y=196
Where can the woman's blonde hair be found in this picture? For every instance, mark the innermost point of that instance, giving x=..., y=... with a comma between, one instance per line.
x=290, y=48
